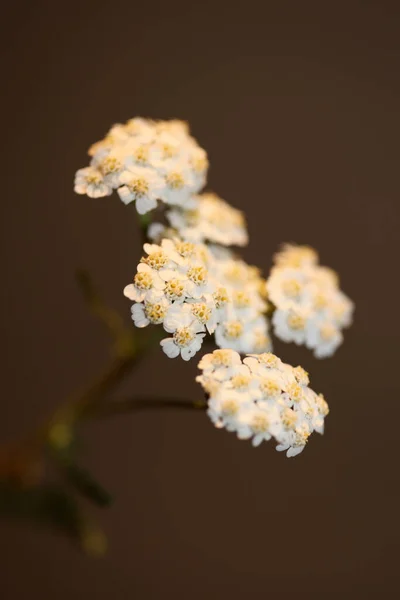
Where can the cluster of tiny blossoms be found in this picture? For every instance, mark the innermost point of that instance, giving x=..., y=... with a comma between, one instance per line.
x=262, y=398
x=191, y=290
x=145, y=161
x=310, y=308
x=210, y=219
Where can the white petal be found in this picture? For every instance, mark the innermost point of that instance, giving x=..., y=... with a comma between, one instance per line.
x=125, y=195
x=169, y=347
x=130, y=291
x=144, y=204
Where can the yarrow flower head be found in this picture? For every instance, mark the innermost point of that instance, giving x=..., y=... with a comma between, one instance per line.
x=146, y=162
x=209, y=219
x=310, y=308
x=261, y=398
x=193, y=290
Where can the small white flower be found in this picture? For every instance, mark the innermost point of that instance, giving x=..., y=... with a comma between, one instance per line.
x=323, y=337
x=262, y=364
x=145, y=280
x=178, y=184
x=290, y=324
x=221, y=364
x=111, y=164
x=90, y=181
x=141, y=185
x=287, y=286
x=229, y=334
x=295, y=440
x=187, y=332
x=206, y=313
x=153, y=310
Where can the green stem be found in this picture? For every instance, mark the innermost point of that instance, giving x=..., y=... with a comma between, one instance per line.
x=128, y=405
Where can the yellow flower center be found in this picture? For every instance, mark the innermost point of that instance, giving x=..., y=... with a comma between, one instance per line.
x=202, y=312
x=111, y=165
x=260, y=424
x=327, y=331
x=183, y=336
x=156, y=260
x=222, y=358
x=295, y=392
x=192, y=216
x=241, y=299
x=185, y=249
x=168, y=150
x=270, y=388
x=240, y=381
x=155, y=313
x=269, y=359
x=301, y=437
x=94, y=179
x=230, y=407
x=139, y=186
x=289, y=418
x=235, y=273
x=291, y=288
x=141, y=155
x=200, y=164
x=198, y=275
x=320, y=301
x=296, y=322
x=296, y=256
x=301, y=375
x=143, y=280
x=221, y=297
x=233, y=329
x=175, y=180
x=174, y=289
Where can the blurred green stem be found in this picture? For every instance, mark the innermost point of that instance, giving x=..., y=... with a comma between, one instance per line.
x=127, y=405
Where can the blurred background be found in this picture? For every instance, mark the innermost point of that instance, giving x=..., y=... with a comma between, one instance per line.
x=297, y=104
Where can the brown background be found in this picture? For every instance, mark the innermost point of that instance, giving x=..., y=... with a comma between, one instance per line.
x=297, y=104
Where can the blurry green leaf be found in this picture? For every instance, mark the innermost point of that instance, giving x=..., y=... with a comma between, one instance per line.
x=47, y=505
x=82, y=480
x=51, y=506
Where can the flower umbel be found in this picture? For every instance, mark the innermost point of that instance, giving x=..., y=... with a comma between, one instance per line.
x=310, y=307
x=192, y=290
x=145, y=161
x=210, y=219
x=261, y=398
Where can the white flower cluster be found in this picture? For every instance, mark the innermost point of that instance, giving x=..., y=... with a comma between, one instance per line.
x=210, y=219
x=145, y=161
x=240, y=291
x=310, y=307
x=262, y=398
x=192, y=289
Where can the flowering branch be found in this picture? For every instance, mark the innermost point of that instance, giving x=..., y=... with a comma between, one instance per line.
x=193, y=286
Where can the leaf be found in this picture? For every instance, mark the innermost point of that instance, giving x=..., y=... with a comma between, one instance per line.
x=46, y=505
x=49, y=505
x=86, y=485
